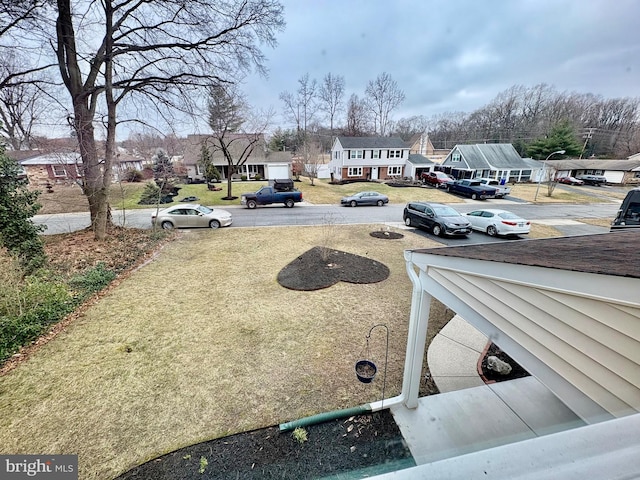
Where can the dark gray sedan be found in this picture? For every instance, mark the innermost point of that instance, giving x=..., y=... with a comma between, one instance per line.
x=365, y=198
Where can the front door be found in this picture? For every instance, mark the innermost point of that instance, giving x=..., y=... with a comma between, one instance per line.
x=374, y=173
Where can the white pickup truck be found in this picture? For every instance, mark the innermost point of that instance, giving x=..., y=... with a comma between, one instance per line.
x=501, y=190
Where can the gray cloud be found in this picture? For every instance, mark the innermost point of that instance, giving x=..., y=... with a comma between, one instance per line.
x=456, y=55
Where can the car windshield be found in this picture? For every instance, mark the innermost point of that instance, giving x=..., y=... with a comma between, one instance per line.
x=203, y=209
x=445, y=212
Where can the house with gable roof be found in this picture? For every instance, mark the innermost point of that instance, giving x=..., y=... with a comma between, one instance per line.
x=368, y=158
x=261, y=163
x=489, y=160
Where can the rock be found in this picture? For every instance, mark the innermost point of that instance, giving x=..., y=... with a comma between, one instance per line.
x=497, y=365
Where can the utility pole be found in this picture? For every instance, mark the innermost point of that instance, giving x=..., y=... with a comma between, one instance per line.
x=587, y=136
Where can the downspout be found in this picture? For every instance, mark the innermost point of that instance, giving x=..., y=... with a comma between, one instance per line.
x=409, y=365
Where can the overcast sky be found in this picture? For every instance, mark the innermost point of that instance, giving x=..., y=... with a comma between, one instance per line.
x=456, y=55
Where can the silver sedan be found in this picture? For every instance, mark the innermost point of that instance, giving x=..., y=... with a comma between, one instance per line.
x=191, y=215
x=365, y=198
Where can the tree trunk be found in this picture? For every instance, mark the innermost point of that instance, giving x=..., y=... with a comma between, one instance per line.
x=93, y=182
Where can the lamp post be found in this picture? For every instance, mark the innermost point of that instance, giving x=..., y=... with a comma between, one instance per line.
x=544, y=170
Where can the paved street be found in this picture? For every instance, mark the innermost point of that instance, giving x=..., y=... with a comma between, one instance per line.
x=561, y=216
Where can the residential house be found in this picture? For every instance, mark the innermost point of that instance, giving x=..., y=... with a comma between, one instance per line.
x=368, y=158
x=261, y=162
x=125, y=162
x=488, y=160
x=53, y=168
x=623, y=172
x=570, y=320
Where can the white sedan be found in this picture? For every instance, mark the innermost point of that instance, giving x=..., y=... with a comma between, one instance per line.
x=498, y=222
x=190, y=215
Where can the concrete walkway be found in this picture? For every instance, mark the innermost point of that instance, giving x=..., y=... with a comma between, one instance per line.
x=469, y=415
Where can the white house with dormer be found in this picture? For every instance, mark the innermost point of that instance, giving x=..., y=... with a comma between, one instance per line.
x=368, y=158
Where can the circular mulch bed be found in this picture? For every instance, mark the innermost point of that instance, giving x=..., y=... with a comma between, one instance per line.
x=386, y=235
x=490, y=376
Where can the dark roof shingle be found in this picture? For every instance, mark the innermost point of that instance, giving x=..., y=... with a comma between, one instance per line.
x=614, y=253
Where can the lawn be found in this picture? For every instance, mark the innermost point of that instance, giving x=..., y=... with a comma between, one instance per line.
x=203, y=342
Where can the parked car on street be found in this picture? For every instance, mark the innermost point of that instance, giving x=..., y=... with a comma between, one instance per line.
x=269, y=195
x=597, y=180
x=437, y=218
x=570, y=181
x=628, y=215
x=365, y=198
x=498, y=222
x=191, y=215
x=436, y=179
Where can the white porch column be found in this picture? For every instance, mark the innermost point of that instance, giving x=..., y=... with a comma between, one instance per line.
x=417, y=336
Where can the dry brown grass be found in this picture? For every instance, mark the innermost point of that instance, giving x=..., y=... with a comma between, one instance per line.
x=203, y=342
x=527, y=191
x=599, y=222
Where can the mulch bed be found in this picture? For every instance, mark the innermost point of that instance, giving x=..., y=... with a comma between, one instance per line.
x=490, y=376
x=385, y=235
x=363, y=446
x=322, y=267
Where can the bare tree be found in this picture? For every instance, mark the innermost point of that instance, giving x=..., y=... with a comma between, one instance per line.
x=301, y=106
x=406, y=128
x=237, y=130
x=382, y=97
x=21, y=105
x=331, y=95
x=312, y=161
x=161, y=51
x=357, y=117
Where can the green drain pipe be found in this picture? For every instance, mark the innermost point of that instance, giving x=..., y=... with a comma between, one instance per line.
x=325, y=417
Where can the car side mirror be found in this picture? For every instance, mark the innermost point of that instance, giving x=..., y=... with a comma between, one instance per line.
x=430, y=215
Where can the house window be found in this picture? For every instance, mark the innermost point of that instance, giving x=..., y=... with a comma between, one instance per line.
x=59, y=171
x=594, y=172
x=395, y=170
x=357, y=154
x=375, y=153
x=455, y=157
x=354, y=172
x=395, y=153
x=336, y=155
x=636, y=175
x=253, y=169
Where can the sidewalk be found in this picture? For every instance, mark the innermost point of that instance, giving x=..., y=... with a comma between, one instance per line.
x=469, y=415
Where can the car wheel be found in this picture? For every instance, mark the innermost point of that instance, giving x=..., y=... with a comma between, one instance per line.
x=167, y=225
x=214, y=224
x=289, y=203
x=474, y=196
x=491, y=231
x=408, y=222
x=353, y=203
x=437, y=230
x=251, y=204
x=380, y=203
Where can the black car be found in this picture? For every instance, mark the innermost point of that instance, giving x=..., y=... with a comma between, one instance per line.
x=437, y=218
x=629, y=214
x=596, y=180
